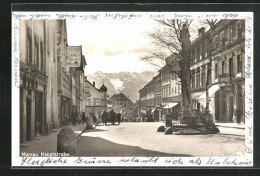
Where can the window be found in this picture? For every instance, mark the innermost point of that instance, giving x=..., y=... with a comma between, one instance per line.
x=36, y=52
x=231, y=66
x=231, y=33
x=179, y=89
x=223, y=67
x=222, y=39
x=96, y=101
x=41, y=57
x=175, y=90
x=201, y=51
x=197, y=77
x=192, y=78
x=216, y=71
x=239, y=63
x=203, y=75
x=29, y=47
x=193, y=56
x=198, y=54
x=239, y=30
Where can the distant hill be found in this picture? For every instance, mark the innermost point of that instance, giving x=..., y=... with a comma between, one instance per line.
x=128, y=83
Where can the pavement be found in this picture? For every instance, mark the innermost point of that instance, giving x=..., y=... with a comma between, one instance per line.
x=142, y=139
x=230, y=125
x=48, y=143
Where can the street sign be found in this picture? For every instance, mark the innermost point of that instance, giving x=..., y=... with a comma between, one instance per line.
x=74, y=54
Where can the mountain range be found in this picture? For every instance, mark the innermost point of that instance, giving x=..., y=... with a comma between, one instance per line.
x=128, y=83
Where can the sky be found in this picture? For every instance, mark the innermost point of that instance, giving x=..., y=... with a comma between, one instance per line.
x=113, y=46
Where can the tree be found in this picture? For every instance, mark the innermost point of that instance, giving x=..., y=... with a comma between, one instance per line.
x=212, y=46
x=173, y=50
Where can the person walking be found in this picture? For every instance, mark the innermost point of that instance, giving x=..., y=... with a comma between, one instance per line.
x=74, y=115
x=83, y=117
x=104, y=117
x=113, y=116
x=118, y=115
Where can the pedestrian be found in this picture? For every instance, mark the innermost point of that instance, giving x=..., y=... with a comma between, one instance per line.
x=112, y=116
x=83, y=117
x=104, y=117
x=74, y=115
x=118, y=117
x=156, y=114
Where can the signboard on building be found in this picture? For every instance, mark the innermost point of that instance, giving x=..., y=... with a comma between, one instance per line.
x=74, y=54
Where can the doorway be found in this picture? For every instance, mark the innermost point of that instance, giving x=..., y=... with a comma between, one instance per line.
x=38, y=113
x=230, y=115
x=28, y=115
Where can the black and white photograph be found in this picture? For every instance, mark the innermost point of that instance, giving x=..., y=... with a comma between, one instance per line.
x=132, y=89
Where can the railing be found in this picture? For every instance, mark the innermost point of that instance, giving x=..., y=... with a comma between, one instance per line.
x=194, y=125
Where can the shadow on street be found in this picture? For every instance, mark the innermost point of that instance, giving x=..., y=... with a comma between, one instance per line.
x=98, y=147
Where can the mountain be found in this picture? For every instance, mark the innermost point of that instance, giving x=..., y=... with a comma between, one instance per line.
x=128, y=83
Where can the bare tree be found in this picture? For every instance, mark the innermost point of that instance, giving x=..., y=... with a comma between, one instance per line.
x=175, y=41
x=212, y=42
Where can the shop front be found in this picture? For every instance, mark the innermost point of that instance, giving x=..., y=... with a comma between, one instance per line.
x=32, y=104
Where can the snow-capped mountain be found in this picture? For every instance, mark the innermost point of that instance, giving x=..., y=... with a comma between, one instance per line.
x=128, y=83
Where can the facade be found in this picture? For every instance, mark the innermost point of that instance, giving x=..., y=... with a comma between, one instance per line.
x=171, y=93
x=46, y=79
x=142, y=100
x=227, y=63
x=62, y=74
x=33, y=79
x=120, y=101
x=95, y=99
x=151, y=96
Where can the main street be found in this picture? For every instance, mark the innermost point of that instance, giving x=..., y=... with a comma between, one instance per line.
x=142, y=139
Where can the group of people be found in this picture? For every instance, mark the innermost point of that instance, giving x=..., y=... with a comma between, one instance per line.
x=111, y=115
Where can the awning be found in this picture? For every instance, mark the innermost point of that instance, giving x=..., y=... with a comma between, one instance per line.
x=212, y=90
x=170, y=105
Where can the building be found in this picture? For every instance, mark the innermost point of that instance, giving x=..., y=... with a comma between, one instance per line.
x=170, y=92
x=151, y=96
x=227, y=63
x=33, y=79
x=142, y=100
x=95, y=99
x=46, y=77
x=62, y=75
x=120, y=101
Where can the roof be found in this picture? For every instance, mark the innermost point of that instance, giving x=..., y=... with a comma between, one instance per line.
x=120, y=94
x=92, y=85
x=103, y=88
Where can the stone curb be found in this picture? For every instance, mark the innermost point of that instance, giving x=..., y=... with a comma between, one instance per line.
x=237, y=127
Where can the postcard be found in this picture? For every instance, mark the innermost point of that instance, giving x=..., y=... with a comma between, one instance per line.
x=132, y=89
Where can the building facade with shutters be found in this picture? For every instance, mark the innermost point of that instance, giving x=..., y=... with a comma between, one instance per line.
x=33, y=79
x=226, y=64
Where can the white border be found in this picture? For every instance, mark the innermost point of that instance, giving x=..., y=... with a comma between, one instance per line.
x=245, y=161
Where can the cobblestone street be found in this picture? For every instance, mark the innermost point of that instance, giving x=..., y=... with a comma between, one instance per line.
x=142, y=139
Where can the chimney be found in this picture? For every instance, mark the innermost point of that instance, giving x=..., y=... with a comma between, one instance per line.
x=201, y=31
x=94, y=84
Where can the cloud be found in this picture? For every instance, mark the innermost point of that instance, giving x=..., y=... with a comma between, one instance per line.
x=91, y=48
x=110, y=52
x=139, y=49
